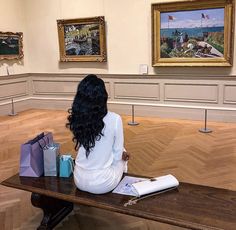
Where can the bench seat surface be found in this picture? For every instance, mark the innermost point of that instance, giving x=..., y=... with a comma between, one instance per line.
x=191, y=206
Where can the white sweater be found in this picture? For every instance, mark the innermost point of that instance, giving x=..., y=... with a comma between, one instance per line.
x=103, y=169
x=108, y=149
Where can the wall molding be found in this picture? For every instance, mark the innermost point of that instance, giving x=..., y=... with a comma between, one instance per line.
x=14, y=76
x=138, y=94
x=184, y=76
x=185, y=98
x=7, y=89
x=233, y=100
x=191, y=96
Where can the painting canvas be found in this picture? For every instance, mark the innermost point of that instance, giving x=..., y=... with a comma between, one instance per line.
x=82, y=39
x=193, y=33
x=11, y=45
x=195, y=36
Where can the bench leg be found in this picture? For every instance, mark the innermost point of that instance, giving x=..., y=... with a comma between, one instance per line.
x=54, y=210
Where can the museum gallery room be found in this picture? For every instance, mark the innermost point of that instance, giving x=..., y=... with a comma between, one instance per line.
x=117, y=114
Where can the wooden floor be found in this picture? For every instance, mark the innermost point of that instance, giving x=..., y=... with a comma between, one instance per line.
x=157, y=147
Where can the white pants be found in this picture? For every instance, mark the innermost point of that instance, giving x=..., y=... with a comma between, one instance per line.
x=99, y=181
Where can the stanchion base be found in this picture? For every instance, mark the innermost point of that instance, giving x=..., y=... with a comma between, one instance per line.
x=133, y=123
x=203, y=130
x=12, y=114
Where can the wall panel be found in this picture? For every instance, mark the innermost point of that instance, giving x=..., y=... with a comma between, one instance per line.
x=182, y=97
x=13, y=89
x=137, y=91
x=230, y=94
x=54, y=87
x=207, y=93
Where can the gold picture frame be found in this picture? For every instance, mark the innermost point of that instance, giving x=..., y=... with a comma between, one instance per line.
x=193, y=33
x=11, y=45
x=82, y=40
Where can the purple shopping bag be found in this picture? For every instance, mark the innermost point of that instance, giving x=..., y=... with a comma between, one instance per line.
x=31, y=155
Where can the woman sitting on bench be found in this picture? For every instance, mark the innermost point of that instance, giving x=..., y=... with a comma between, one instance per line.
x=98, y=137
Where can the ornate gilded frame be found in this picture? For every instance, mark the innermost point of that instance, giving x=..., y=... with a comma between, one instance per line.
x=80, y=35
x=226, y=58
x=8, y=42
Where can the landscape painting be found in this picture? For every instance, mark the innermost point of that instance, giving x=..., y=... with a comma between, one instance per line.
x=192, y=33
x=11, y=45
x=82, y=39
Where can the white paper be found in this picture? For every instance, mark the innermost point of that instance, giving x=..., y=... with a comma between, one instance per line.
x=136, y=186
x=143, y=69
x=125, y=185
x=158, y=184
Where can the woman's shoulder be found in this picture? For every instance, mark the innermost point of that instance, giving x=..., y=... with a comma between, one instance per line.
x=112, y=120
x=113, y=115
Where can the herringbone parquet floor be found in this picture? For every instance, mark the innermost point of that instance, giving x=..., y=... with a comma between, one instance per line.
x=157, y=147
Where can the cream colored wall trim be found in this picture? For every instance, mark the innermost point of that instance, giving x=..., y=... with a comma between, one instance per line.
x=191, y=92
x=167, y=97
x=173, y=106
x=51, y=98
x=15, y=101
x=128, y=103
x=230, y=94
x=54, y=87
x=183, y=76
x=137, y=91
x=142, y=109
x=13, y=89
x=15, y=76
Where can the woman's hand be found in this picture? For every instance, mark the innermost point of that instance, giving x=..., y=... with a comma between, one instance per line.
x=125, y=156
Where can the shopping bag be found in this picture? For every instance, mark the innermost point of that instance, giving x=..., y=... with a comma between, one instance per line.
x=66, y=165
x=51, y=159
x=31, y=155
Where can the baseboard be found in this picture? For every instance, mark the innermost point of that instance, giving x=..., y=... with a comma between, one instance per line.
x=125, y=109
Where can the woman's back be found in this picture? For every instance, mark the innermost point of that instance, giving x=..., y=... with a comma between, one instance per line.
x=106, y=150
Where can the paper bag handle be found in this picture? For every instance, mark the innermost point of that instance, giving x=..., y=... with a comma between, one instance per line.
x=40, y=143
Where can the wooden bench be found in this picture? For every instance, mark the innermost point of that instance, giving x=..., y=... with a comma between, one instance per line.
x=190, y=206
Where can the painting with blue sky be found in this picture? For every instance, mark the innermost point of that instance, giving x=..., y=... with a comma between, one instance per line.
x=192, y=33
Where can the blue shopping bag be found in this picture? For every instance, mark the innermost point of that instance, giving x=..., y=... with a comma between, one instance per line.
x=66, y=165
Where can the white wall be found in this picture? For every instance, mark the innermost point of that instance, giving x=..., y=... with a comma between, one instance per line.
x=12, y=19
x=42, y=18
x=128, y=33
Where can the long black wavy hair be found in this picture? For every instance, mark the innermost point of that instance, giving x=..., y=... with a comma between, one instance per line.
x=85, y=118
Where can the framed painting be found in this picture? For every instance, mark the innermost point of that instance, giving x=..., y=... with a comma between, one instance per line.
x=193, y=33
x=82, y=39
x=11, y=45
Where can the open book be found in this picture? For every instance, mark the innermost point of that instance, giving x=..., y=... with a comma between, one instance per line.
x=135, y=186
